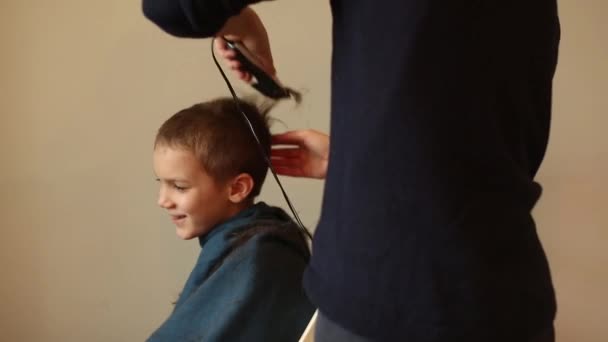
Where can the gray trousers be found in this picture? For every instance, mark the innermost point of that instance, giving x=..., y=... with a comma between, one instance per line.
x=328, y=331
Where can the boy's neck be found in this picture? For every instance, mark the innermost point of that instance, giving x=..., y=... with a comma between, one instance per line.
x=239, y=207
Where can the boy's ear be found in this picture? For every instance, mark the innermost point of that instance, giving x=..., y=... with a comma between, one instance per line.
x=240, y=188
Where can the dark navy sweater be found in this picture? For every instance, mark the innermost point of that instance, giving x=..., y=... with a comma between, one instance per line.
x=440, y=118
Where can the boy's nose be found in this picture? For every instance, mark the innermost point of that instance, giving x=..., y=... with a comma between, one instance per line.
x=164, y=201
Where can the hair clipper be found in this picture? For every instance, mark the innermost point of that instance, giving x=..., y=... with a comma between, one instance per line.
x=264, y=83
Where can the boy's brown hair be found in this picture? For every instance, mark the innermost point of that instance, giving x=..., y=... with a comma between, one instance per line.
x=220, y=137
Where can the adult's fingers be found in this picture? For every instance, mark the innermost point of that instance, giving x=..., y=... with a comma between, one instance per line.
x=288, y=138
x=285, y=152
x=287, y=171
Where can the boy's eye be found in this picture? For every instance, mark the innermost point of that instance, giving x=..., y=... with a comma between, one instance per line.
x=179, y=188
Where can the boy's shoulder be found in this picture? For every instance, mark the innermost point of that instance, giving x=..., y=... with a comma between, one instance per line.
x=261, y=236
x=271, y=236
x=268, y=225
x=269, y=251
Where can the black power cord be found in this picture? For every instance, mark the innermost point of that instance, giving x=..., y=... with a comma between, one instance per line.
x=261, y=148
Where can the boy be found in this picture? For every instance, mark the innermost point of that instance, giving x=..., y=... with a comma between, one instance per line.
x=246, y=284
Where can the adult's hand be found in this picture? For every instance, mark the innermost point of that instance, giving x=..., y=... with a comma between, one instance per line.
x=301, y=153
x=248, y=29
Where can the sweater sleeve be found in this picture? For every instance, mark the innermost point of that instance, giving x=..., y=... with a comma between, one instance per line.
x=192, y=18
x=255, y=295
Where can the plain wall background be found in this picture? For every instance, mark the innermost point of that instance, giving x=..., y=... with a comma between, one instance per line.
x=87, y=256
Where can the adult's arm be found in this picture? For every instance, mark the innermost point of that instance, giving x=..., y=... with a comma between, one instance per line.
x=193, y=18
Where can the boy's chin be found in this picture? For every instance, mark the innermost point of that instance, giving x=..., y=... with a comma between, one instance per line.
x=188, y=233
x=185, y=233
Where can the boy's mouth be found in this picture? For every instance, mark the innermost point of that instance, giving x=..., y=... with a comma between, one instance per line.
x=177, y=219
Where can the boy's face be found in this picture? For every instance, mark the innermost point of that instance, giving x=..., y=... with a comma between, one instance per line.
x=194, y=200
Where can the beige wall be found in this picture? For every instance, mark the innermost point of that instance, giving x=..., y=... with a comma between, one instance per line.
x=85, y=253
x=573, y=212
